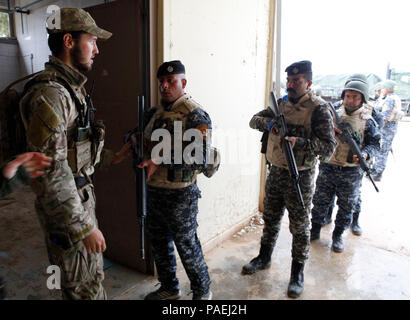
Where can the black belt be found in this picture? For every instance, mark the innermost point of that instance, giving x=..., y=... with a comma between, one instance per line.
x=340, y=168
x=81, y=181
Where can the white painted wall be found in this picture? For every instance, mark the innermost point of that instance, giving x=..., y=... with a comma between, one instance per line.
x=224, y=47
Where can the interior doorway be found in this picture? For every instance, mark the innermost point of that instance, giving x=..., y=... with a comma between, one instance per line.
x=121, y=73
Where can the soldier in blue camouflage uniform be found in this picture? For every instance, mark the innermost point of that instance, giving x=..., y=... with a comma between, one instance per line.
x=17, y=172
x=390, y=108
x=172, y=201
x=311, y=134
x=355, y=227
x=342, y=175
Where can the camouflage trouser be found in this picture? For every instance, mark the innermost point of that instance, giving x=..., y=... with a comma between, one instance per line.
x=342, y=182
x=357, y=207
x=389, y=131
x=280, y=192
x=81, y=273
x=172, y=218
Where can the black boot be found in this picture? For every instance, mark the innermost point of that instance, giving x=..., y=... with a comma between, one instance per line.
x=337, y=244
x=315, y=231
x=356, y=230
x=295, y=287
x=262, y=261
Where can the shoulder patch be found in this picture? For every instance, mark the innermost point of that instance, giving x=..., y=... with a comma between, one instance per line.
x=204, y=130
x=43, y=123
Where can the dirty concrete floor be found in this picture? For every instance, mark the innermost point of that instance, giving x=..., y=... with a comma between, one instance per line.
x=374, y=266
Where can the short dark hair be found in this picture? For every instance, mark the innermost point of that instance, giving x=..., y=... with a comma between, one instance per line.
x=55, y=41
x=308, y=76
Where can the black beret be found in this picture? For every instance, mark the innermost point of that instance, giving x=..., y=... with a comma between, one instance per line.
x=300, y=67
x=171, y=67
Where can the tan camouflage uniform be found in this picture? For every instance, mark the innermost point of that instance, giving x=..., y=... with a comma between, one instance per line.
x=66, y=211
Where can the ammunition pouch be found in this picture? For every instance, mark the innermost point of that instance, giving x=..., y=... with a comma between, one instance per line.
x=98, y=135
x=80, y=156
x=172, y=178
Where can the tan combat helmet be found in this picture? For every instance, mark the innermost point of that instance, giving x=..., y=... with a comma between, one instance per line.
x=75, y=19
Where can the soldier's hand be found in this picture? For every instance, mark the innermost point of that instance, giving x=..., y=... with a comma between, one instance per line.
x=33, y=163
x=292, y=141
x=337, y=130
x=95, y=242
x=123, y=154
x=356, y=158
x=151, y=167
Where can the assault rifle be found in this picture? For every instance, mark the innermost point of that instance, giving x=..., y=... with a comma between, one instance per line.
x=140, y=175
x=287, y=147
x=347, y=137
x=136, y=137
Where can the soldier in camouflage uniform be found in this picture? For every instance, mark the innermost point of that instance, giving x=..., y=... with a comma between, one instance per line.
x=342, y=175
x=172, y=200
x=311, y=134
x=355, y=227
x=390, y=107
x=58, y=124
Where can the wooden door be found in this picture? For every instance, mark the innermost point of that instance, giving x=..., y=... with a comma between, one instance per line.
x=121, y=74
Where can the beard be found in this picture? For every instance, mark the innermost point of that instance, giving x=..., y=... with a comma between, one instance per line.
x=76, y=56
x=350, y=110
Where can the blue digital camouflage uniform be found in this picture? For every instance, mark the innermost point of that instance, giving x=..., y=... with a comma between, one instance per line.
x=280, y=192
x=388, y=132
x=172, y=217
x=343, y=182
x=378, y=117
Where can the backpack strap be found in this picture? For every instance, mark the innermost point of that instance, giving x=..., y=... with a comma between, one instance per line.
x=79, y=105
x=20, y=80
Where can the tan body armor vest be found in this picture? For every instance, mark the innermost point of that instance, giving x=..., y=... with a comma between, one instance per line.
x=343, y=156
x=171, y=178
x=298, y=119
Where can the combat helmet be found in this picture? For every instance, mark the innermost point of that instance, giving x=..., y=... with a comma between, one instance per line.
x=357, y=77
x=358, y=86
x=390, y=85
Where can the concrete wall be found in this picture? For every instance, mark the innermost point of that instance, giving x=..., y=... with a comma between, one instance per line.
x=224, y=47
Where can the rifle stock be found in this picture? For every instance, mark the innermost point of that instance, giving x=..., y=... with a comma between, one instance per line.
x=346, y=136
x=287, y=148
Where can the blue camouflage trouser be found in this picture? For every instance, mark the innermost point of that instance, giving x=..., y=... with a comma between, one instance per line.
x=342, y=182
x=172, y=218
x=389, y=131
x=280, y=192
x=357, y=207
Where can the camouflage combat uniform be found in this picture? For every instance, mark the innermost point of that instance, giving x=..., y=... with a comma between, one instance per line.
x=391, y=104
x=342, y=177
x=378, y=118
x=311, y=122
x=172, y=199
x=8, y=186
x=65, y=201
